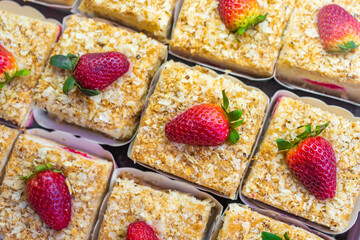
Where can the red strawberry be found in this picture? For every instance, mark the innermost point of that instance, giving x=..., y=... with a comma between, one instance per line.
x=92, y=71
x=338, y=29
x=8, y=67
x=312, y=160
x=140, y=231
x=239, y=15
x=205, y=124
x=49, y=195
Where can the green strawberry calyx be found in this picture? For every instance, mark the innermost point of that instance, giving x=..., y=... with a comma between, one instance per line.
x=69, y=62
x=234, y=120
x=271, y=236
x=285, y=145
x=38, y=169
x=258, y=20
x=8, y=78
x=347, y=47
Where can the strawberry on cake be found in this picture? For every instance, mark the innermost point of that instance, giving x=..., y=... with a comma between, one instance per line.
x=195, y=130
x=99, y=76
x=50, y=191
x=140, y=210
x=25, y=45
x=244, y=36
x=321, y=50
x=308, y=164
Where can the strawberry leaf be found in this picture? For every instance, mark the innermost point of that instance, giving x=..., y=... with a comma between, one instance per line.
x=236, y=124
x=68, y=85
x=233, y=136
x=74, y=60
x=283, y=144
x=8, y=78
x=61, y=61
x=90, y=92
x=269, y=236
x=234, y=115
x=226, y=103
x=351, y=45
x=286, y=236
x=71, y=56
x=22, y=72
x=305, y=133
x=319, y=129
x=261, y=18
x=40, y=168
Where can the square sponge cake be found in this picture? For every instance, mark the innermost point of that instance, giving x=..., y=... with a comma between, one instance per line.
x=152, y=16
x=179, y=88
x=240, y=223
x=116, y=111
x=30, y=41
x=200, y=34
x=304, y=62
x=86, y=175
x=171, y=214
x=270, y=180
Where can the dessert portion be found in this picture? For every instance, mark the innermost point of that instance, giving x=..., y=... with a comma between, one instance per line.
x=25, y=45
x=179, y=89
x=152, y=16
x=86, y=178
x=291, y=181
x=108, y=102
x=240, y=222
x=67, y=3
x=214, y=32
x=320, y=48
x=137, y=208
x=7, y=139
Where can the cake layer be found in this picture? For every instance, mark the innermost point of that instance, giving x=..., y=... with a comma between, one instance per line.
x=270, y=180
x=304, y=62
x=30, y=41
x=151, y=16
x=172, y=214
x=115, y=112
x=200, y=34
x=180, y=87
x=241, y=223
x=87, y=176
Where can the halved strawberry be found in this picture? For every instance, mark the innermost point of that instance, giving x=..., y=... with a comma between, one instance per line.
x=206, y=125
x=239, y=15
x=312, y=160
x=8, y=67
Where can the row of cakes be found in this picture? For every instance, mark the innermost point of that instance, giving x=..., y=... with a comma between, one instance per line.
x=27, y=44
x=171, y=210
x=181, y=93
x=136, y=203
x=287, y=42
x=273, y=176
x=219, y=168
